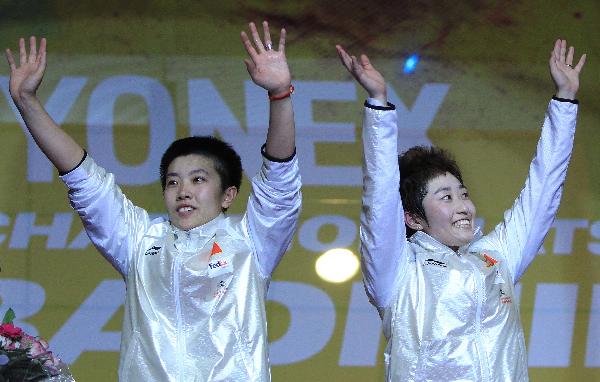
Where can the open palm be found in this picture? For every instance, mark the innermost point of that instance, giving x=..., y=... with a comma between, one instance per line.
x=27, y=76
x=267, y=67
x=564, y=74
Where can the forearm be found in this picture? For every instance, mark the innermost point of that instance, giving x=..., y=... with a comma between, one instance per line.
x=281, y=141
x=58, y=146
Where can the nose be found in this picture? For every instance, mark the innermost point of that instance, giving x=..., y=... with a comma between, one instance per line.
x=461, y=207
x=183, y=193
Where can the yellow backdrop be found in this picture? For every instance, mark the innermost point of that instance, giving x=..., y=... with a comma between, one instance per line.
x=125, y=80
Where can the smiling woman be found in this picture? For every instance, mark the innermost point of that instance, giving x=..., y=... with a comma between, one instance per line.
x=445, y=293
x=201, y=269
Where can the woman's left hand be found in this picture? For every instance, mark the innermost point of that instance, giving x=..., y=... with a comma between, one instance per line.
x=564, y=74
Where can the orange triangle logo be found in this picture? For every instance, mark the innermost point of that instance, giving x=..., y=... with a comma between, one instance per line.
x=490, y=260
x=215, y=249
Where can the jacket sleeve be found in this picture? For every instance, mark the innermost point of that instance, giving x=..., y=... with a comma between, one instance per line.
x=382, y=231
x=111, y=221
x=521, y=233
x=273, y=210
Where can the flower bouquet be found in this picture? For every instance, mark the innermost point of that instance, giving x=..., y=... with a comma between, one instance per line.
x=24, y=358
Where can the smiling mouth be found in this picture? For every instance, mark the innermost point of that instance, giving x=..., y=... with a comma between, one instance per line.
x=184, y=209
x=462, y=224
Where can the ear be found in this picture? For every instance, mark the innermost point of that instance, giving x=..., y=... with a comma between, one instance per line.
x=413, y=221
x=228, y=196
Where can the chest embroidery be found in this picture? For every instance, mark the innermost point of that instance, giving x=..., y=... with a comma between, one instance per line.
x=490, y=261
x=435, y=262
x=221, y=289
x=154, y=250
x=504, y=299
x=216, y=249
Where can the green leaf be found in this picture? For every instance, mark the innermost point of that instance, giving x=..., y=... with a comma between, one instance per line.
x=9, y=316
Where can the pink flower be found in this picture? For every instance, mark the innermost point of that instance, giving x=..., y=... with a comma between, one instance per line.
x=36, y=349
x=11, y=331
x=52, y=364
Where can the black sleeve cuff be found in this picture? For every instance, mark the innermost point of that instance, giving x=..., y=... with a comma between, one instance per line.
x=263, y=151
x=575, y=101
x=61, y=173
x=390, y=106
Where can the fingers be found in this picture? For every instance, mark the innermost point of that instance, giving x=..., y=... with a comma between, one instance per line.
x=555, y=54
x=563, y=48
x=258, y=47
x=282, y=36
x=11, y=60
x=570, y=53
x=34, y=57
x=249, y=66
x=364, y=61
x=32, y=50
x=267, y=36
x=581, y=62
x=344, y=57
x=248, y=45
x=256, y=38
x=22, y=53
x=357, y=68
x=41, y=57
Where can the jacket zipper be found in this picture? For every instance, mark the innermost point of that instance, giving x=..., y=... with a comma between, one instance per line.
x=180, y=343
x=479, y=286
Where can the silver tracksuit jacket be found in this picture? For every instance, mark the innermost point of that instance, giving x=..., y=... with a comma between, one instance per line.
x=453, y=316
x=195, y=304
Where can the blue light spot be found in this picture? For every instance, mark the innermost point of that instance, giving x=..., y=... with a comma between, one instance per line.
x=410, y=64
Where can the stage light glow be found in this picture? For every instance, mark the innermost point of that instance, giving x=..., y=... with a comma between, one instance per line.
x=337, y=265
x=411, y=64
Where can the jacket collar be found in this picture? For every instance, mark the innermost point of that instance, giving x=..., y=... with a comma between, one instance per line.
x=197, y=237
x=430, y=244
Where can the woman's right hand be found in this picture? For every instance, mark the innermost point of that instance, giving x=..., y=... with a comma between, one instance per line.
x=27, y=76
x=365, y=74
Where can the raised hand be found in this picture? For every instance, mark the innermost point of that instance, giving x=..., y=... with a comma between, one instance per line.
x=564, y=74
x=27, y=76
x=268, y=67
x=366, y=75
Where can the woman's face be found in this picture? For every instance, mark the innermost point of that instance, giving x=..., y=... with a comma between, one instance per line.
x=449, y=211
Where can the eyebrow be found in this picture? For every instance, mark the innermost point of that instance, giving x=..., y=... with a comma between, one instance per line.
x=196, y=171
x=447, y=189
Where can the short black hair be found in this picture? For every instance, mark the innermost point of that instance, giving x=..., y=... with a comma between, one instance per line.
x=418, y=165
x=226, y=160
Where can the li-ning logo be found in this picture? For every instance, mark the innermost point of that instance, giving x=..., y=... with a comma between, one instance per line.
x=504, y=299
x=435, y=262
x=218, y=264
x=152, y=251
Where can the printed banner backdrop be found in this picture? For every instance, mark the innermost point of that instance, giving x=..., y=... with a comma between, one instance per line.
x=126, y=80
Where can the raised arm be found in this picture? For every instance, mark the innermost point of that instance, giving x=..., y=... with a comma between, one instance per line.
x=526, y=224
x=112, y=222
x=382, y=230
x=268, y=69
x=25, y=78
x=274, y=204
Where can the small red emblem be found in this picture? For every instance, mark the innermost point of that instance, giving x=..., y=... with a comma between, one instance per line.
x=215, y=249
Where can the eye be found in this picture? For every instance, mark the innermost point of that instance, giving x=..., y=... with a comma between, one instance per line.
x=465, y=195
x=199, y=179
x=171, y=182
x=446, y=197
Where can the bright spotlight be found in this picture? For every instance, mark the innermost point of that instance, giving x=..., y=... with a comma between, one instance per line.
x=337, y=265
x=411, y=64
